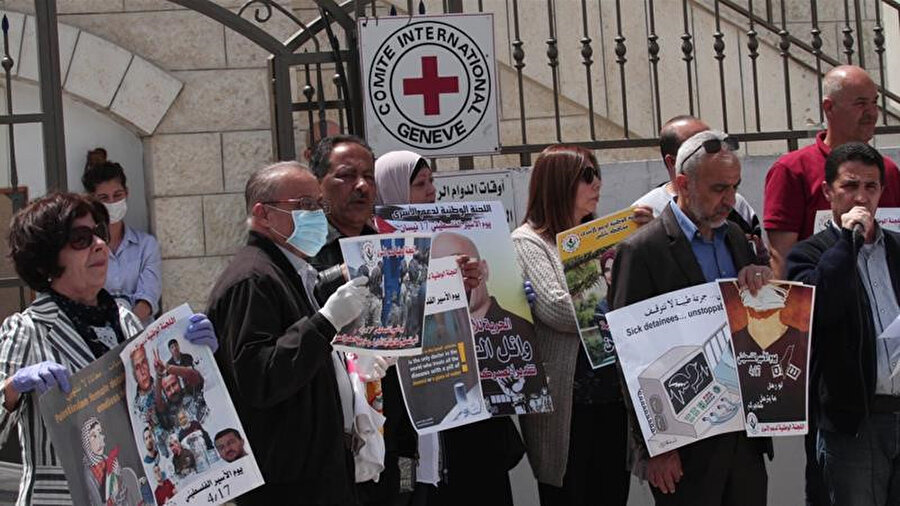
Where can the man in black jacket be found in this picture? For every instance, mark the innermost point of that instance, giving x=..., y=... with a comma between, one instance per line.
x=857, y=283
x=290, y=389
x=691, y=243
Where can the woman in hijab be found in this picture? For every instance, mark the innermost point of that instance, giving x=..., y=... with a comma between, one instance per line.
x=403, y=177
x=477, y=456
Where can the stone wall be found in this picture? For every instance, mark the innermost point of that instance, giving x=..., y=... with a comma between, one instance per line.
x=198, y=155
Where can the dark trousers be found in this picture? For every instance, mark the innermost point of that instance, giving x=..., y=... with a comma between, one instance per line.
x=595, y=467
x=724, y=470
x=816, y=493
x=862, y=469
x=494, y=490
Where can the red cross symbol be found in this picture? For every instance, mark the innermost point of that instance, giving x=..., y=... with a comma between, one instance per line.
x=430, y=86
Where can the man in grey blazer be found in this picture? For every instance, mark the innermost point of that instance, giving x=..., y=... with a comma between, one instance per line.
x=692, y=243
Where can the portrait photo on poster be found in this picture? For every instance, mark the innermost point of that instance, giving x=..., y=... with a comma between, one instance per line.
x=92, y=436
x=770, y=335
x=192, y=445
x=513, y=379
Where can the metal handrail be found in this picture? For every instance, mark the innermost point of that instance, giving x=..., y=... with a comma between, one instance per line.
x=806, y=47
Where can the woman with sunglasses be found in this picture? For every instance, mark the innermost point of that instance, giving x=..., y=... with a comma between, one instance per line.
x=579, y=449
x=478, y=456
x=58, y=245
x=134, y=276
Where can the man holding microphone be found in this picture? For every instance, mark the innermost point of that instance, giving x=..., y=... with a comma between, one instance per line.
x=855, y=265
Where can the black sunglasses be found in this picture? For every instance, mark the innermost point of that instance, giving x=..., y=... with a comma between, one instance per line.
x=588, y=174
x=83, y=237
x=713, y=146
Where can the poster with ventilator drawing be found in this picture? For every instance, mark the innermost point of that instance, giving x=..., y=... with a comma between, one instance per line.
x=676, y=356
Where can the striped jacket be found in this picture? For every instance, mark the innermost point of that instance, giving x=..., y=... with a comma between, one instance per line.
x=42, y=332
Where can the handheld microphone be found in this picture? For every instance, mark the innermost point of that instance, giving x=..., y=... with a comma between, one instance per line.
x=859, y=232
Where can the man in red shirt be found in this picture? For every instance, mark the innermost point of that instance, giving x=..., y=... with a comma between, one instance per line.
x=793, y=191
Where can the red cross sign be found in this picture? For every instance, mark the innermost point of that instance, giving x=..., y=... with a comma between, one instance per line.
x=430, y=85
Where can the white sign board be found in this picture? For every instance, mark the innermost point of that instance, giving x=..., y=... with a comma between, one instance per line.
x=887, y=217
x=676, y=356
x=430, y=84
x=480, y=186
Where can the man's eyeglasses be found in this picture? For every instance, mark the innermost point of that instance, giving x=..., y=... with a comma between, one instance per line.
x=588, y=174
x=82, y=237
x=300, y=204
x=713, y=146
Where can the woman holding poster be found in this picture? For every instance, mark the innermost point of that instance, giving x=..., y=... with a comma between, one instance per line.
x=58, y=244
x=580, y=448
x=477, y=456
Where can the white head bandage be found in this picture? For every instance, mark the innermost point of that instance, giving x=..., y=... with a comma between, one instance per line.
x=768, y=297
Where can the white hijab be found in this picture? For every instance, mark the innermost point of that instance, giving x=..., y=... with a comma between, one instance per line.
x=392, y=177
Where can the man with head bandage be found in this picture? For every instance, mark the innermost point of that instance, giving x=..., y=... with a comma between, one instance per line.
x=781, y=376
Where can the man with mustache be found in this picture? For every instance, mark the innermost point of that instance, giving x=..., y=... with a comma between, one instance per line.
x=345, y=168
x=793, y=194
x=793, y=191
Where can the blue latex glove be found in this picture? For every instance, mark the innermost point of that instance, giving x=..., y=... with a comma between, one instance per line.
x=529, y=294
x=201, y=332
x=41, y=377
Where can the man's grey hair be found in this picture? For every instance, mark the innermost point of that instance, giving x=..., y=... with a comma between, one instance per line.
x=691, y=153
x=264, y=182
x=832, y=84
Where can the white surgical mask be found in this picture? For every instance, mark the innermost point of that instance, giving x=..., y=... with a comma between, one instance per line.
x=116, y=210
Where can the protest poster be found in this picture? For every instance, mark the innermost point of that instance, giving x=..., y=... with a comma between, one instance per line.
x=676, y=356
x=396, y=266
x=92, y=437
x=887, y=217
x=770, y=335
x=587, y=253
x=193, y=447
x=441, y=387
x=512, y=378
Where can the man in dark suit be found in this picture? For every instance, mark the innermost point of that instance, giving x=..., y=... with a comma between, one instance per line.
x=857, y=283
x=275, y=345
x=691, y=243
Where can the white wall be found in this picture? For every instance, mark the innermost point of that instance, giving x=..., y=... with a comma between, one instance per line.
x=85, y=129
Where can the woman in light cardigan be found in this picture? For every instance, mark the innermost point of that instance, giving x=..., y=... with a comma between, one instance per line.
x=578, y=451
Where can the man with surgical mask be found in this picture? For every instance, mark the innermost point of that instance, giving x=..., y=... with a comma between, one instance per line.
x=134, y=276
x=274, y=349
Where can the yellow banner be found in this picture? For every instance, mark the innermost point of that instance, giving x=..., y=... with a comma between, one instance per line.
x=596, y=235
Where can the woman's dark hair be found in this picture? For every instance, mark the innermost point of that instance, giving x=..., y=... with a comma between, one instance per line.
x=551, y=192
x=101, y=173
x=40, y=231
x=422, y=163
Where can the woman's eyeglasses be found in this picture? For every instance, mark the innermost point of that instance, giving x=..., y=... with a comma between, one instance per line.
x=83, y=237
x=588, y=174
